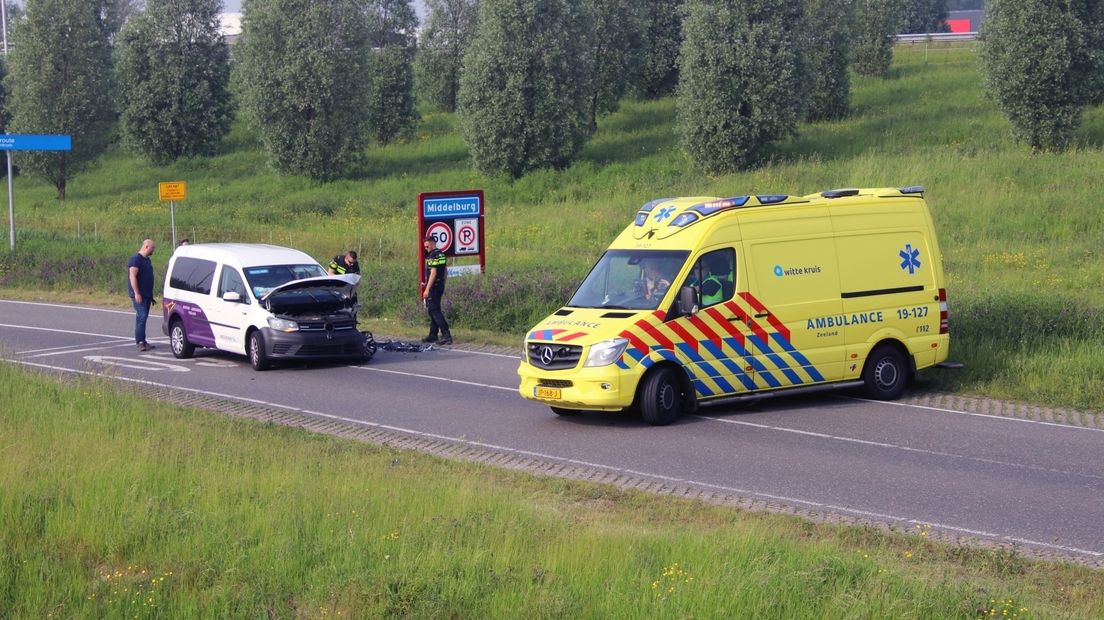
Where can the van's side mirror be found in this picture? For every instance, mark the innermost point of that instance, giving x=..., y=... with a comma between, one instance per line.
x=688, y=301
x=232, y=296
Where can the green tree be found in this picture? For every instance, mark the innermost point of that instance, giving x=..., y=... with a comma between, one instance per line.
x=1038, y=60
x=302, y=67
x=173, y=73
x=5, y=115
x=742, y=80
x=525, y=89
x=449, y=29
x=658, y=75
x=828, y=29
x=115, y=13
x=924, y=16
x=14, y=14
x=391, y=112
x=1090, y=64
x=60, y=83
x=618, y=48
x=878, y=21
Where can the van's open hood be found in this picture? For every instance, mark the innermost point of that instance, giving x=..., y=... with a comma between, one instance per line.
x=584, y=326
x=324, y=293
x=338, y=284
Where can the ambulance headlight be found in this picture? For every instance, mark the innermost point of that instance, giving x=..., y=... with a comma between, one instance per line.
x=606, y=352
x=282, y=325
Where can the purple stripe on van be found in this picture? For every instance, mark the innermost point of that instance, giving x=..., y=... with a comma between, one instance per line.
x=196, y=325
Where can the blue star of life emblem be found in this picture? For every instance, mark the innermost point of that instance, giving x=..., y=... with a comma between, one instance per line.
x=664, y=213
x=910, y=258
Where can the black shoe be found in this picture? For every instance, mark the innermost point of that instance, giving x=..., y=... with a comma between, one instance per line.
x=444, y=341
x=429, y=339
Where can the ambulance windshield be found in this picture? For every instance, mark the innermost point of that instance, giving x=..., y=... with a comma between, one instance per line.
x=630, y=279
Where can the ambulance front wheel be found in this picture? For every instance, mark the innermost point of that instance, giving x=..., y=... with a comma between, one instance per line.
x=886, y=373
x=660, y=397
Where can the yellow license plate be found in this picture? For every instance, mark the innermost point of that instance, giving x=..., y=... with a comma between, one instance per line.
x=546, y=392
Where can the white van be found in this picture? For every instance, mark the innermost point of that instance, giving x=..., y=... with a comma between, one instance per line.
x=264, y=301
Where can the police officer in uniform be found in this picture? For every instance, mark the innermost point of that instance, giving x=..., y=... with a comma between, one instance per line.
x=341, y=265
x=713, y=285
x=436, y=272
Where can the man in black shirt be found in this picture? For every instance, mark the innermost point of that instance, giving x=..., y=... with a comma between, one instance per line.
x=140, y=289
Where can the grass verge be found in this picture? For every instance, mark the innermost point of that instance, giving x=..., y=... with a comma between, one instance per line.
x=112, y=505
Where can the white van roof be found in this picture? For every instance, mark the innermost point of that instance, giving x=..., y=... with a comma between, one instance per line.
x=245, y=254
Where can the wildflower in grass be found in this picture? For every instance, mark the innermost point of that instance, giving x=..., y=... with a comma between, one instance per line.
x=672, y=577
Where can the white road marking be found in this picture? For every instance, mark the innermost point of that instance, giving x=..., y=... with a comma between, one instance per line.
x=880, y=444
x=72, y=307
x=137, y=364
x=84, y=350
x=572, y=461
x=435, y=378
x=977, y=415
x=71, y=346
x=64, y=331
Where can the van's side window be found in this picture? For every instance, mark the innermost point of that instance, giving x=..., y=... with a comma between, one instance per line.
x=714, y=277
x=230, y=281
x=193, y=274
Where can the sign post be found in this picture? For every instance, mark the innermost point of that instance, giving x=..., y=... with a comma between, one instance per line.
x=171, y=192
x=27, y=142
x=454, y=220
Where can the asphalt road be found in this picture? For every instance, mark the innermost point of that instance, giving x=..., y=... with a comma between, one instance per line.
x=1012, y=481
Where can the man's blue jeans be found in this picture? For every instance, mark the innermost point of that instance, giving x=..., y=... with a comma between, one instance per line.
x=141, y=313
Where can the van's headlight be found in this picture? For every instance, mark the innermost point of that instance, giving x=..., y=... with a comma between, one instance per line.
x=606, y=352
x=282, y=325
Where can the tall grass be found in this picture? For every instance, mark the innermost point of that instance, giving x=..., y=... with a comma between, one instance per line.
x=1015, y=227
x=114, y=506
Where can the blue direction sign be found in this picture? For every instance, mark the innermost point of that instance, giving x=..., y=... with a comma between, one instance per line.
x=35, y=142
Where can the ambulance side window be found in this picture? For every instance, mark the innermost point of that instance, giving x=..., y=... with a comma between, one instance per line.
x=715, y=275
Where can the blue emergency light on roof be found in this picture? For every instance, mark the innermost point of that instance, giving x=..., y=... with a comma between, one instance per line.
x=912, y=189
x=642, y=215
x=840, y=193
x=684, y=219
x=767, y=199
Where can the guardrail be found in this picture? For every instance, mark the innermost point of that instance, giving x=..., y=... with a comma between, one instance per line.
x=936, y=36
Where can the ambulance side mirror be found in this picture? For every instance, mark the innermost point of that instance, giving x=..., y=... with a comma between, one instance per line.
x=688, y=301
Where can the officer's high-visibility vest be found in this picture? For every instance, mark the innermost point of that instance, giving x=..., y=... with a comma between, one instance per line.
x=715, y=293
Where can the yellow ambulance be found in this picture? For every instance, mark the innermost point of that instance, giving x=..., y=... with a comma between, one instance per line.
x=705, y=301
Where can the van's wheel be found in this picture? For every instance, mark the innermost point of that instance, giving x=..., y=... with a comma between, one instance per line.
x=885, y=375
x=257, y=356
x=660, y=397
x=178, y=341
x=564, y=412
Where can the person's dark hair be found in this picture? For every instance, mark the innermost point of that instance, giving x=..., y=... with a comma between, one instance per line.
x=353, y=254
x=184, y=242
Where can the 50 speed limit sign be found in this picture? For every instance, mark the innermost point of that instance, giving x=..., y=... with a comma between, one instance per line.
x=441, y=235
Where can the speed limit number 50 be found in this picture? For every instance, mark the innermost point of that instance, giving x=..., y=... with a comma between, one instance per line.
x=441, y=233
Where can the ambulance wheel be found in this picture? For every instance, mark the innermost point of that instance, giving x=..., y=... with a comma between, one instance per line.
x=660, y=397
x=258, y=359
x=178, y=341
x=886, y=373
x=564, y=412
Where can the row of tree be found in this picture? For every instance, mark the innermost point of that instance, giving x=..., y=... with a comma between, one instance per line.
x=1044, y=63
x=320, y=79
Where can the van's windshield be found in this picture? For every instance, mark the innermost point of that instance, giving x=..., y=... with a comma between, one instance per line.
x=264, y=279
x=630, y=279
